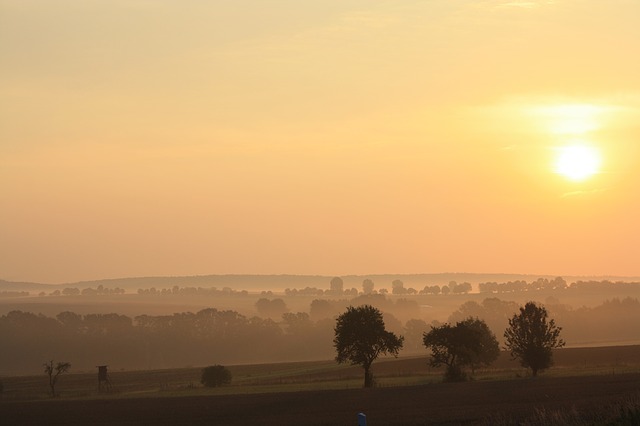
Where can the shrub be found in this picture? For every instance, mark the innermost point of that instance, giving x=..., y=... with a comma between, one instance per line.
x=215, y=375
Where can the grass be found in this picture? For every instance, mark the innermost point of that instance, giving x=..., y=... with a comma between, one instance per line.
x=623, y=412
x=310, y=376
x=328, y=394
x=172, y=383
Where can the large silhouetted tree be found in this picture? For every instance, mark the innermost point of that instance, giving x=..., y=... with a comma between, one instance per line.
x=468, y=343
x=360, y=337
x=54, y=371
x=531, y=338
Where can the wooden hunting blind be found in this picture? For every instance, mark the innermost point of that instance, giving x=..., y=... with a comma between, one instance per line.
x=103, y=379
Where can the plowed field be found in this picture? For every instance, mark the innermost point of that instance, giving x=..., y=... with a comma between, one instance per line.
x=455, y=403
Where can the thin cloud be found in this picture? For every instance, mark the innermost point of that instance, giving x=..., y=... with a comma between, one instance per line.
x=524, y=4
x=583, y=193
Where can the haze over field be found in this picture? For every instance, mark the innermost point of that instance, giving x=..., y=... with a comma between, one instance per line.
x=166, y=138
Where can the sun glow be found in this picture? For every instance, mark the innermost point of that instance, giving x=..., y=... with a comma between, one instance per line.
x=571, y=119
x=577, y=162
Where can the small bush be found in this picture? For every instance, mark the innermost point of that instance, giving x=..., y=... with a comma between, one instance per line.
x=215, y=375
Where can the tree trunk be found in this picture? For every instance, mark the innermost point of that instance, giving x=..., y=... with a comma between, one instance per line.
x=368, y=376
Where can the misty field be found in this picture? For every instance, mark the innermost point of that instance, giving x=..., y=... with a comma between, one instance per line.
x=594, y=383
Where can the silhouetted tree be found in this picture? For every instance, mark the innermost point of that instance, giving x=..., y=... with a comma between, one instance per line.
x=530, y=338
x=215, y=375
x=408, y=308
x=435, y=289
x=298, y=323
x=271, y=308
x=559, y=283
x=468, y=343
x=414, y=329
x=321, y=308
x=337, y=285
x=493, y=311
x=70, y=320
x=360, y=337
x=488, y=287
x=367, y=286
x=462, y=288
x=397, y=287
x=54, y=372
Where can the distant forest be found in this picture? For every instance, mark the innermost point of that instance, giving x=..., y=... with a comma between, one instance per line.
x=277, y=334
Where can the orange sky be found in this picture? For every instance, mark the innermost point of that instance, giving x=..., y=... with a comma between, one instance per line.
x=142, y=137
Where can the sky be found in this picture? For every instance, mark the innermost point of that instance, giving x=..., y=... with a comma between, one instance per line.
x=333, y=137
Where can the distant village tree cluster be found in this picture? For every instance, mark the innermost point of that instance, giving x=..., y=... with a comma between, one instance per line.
x=98, y=291
x=14, y=294
x=191, y=291
x=337, y=289
x=368, y=287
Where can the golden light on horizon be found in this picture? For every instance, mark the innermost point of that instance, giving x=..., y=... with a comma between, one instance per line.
x=577, y=162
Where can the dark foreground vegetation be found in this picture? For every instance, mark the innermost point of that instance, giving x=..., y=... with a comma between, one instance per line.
x=581, y=400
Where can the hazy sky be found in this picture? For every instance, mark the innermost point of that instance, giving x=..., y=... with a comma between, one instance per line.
x=165, y=137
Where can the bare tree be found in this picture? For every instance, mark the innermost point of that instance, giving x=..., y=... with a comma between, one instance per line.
x=54, y=372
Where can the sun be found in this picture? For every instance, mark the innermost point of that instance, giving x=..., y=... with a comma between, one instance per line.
x=577, y=162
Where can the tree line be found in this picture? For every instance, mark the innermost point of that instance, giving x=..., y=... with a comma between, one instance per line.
x=337, y=288
x=159, y=341
x=361, y=336
x=226, y=336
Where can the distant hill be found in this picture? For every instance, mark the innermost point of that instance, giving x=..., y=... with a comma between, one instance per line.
x=280, y=282
x=25, y=286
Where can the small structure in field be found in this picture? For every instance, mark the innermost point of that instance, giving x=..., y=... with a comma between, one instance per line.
x=104, y=384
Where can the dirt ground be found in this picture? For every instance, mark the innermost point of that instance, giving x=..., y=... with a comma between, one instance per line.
x=466, y=403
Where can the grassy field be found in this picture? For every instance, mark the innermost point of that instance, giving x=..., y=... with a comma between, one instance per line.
x=407, y=393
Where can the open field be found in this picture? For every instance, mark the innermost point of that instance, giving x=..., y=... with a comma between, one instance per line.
x=479, y=402
x=324, y=393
